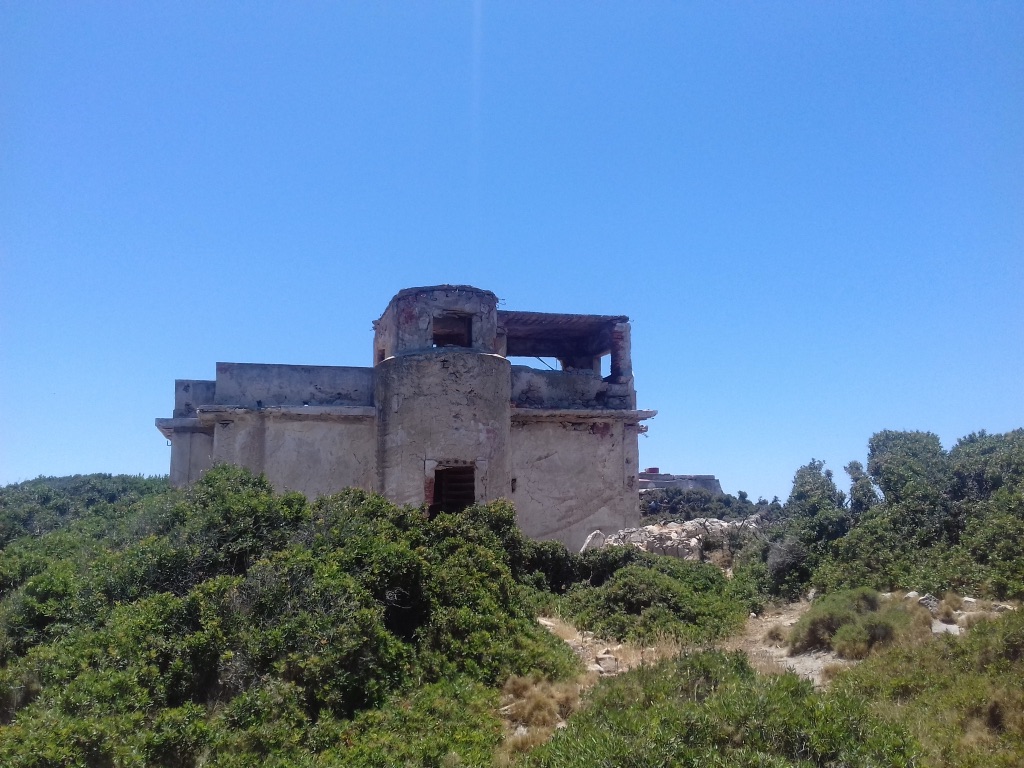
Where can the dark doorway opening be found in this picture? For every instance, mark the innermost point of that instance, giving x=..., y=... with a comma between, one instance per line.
x=454, y=489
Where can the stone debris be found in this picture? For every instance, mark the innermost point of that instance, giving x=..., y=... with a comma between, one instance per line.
x=599, y=656
x=931, y=602
x=940, y=628
x=684, y=540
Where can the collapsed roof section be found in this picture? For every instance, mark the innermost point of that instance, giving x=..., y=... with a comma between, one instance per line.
x=578, y=342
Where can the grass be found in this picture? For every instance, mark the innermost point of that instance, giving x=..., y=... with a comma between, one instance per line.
x=855, y=622
x=963, y=697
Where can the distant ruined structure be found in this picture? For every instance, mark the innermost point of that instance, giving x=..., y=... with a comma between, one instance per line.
x=653, y=478
x=442, y=419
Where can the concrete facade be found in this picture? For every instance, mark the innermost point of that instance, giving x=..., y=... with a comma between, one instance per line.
x=442, y=419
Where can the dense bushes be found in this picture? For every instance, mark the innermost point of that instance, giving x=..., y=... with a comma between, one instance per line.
x=657, y=597
x=712, y=709
x=230, y=625
x=236, y=625
x=919, y=518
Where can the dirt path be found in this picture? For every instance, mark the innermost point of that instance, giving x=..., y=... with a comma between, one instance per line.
x=766, y=649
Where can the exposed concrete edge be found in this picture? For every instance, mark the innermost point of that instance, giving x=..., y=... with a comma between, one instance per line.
x=211, y=414
x=181, y=424
x=569, y=414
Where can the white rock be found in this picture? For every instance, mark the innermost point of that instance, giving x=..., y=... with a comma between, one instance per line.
x=596, y=540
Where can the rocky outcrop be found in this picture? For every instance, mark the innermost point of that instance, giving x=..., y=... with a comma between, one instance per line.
x=685, y=540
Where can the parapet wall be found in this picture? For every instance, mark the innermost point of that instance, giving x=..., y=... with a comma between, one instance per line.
x=532, y=388
x=250, y=385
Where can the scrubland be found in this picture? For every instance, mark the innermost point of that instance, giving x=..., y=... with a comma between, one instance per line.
x=229, y=625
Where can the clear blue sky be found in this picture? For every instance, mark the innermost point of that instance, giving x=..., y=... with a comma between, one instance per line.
x=812, y=212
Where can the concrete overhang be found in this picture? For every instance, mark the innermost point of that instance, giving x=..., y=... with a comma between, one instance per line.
x=523, y=415
x=168, y=427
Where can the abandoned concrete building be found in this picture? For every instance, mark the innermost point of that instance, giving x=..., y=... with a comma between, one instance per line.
x=443, y=418
x=653, y=479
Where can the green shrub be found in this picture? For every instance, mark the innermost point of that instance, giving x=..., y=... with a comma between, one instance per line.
x=854, y=622
x=657, y=597
x=232, y=518
x=962, y=696
x=445, y=723
x=712, y=709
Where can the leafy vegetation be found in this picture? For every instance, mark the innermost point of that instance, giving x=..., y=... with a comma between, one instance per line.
x=961, y=697
x=658, y=597
x=684, y=504
x=919, y=518
x=853, y=623
x=711, y=708
x=229, y=625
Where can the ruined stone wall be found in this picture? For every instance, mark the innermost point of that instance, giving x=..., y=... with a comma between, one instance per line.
x=533, y=388
x=407, y=323
x=315, y=455
x=443, y=407
x=574, y=478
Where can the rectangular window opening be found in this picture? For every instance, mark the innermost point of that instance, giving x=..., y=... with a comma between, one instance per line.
x=454, y=489
x=540, y=363
x=453, y=331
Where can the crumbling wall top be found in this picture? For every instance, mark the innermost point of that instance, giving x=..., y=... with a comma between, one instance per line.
x=419, y=319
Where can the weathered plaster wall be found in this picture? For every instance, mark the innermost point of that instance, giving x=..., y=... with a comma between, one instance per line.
x=574, y=478
x=190, y=394
x=191, y=455
x=407, y=323
x=315, y=456
x=532, y=388
x=439, y=408
x=250, y=385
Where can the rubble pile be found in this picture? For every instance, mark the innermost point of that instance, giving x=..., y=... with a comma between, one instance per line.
x=685, y=540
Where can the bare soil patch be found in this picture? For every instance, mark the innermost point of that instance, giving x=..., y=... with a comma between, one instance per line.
x=763, y=639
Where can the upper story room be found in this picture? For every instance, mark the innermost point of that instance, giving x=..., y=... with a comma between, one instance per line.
x=559, y=360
